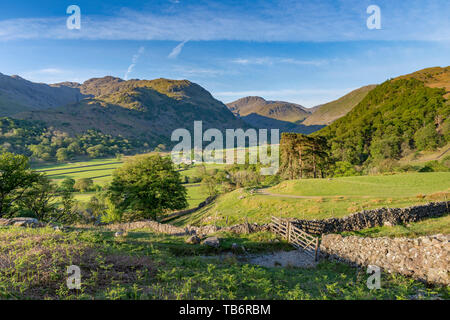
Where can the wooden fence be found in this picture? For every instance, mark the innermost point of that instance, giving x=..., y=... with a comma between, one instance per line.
x=296, y=236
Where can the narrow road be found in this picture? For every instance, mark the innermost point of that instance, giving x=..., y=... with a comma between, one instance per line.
x=265, y=193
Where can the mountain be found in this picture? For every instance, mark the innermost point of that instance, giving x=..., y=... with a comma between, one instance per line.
x=261, y=122
x=145, y=109
x=435, y=77
x=327, y=113
x=398, y=117
x=279, y=110
x=18, y=95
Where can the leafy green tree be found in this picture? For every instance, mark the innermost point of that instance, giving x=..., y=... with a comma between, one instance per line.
x=39, y=198
x=147, y=186
x=427, y=138
x=209, y=183
x=344, y=169
x=83, y=184
x=68, y=184
x=67, y=213
x=15, y=177
x=62, y=154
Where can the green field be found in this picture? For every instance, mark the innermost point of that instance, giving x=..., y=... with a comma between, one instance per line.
x=440, y=225
x=383, y=186
x=101, y=170
x=323, y=198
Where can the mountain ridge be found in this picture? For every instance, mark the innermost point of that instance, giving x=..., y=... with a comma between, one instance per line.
x=279, y=110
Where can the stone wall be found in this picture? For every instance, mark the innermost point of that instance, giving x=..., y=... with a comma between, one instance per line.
x=188, y=230
x=424, y=258
x=188, y=211
x=373, y=218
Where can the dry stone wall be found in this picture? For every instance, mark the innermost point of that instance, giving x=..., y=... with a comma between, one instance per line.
x=424, y=258
x=374, y=218
x=188, y=230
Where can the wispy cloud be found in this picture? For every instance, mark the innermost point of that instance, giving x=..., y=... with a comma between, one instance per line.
x=55, y=75
x=177, y=50
x=288, y=20
x=134, y=60
x=274, y=60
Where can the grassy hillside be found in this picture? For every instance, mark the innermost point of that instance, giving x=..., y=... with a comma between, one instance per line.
x=389, y=186
x=147, y=266
x=258, y=121
x=431, y=226
x=18, y=95
x=327, y=113
x=435, y=77
x=323, y=198
x=278, y=110
x=139, y=109
x=394, y=119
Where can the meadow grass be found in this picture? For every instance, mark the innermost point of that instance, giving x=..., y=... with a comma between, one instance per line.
x=383, y=186
x=144, y=265
x=439, y=225
x=101, y=170
x=323, y=198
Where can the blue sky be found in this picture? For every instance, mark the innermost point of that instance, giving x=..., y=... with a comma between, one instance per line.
x=304, y=51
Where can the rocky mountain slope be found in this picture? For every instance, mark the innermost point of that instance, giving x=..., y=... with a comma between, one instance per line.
x=146, y=109
x=18, y=95
x=279, y=110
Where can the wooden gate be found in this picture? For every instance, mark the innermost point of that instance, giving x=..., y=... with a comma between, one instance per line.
x=296, y=236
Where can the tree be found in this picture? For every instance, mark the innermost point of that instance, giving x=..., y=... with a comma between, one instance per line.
x=15, y=177
x=147, y=186
x=303, y=156
x=68, y=184
x=62, y=154
x=67, y=213
x=84, y=184
x=38, y=198
x=209, y=183
x=427, y=138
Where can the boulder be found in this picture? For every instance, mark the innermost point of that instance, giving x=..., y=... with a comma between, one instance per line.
x=119, y=234
x=193, y=240
x=211, y=242
x=25, y=222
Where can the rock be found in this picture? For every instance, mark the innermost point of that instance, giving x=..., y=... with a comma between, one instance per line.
x=193, y=240
x=25, y=222
x=119, y=234
x=211, y=242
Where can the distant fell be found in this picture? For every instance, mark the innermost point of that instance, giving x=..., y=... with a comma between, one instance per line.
x=279, y=110
x=326, y=113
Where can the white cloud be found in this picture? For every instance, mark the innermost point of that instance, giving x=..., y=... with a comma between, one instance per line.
x=283, y=21
x=272, y=60
x=134, y=60
x=177, y=50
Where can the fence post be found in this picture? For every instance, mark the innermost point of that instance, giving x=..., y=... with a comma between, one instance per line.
x=317, y=249
x=288, y=231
